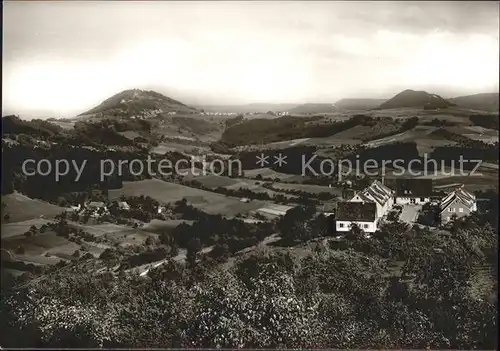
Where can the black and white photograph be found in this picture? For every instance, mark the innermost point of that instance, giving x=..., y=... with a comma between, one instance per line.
x=250, y=175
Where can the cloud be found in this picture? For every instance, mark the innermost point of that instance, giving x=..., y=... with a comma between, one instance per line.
x=239, y=52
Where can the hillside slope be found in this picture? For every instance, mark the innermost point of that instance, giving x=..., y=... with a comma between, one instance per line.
x=137, y=102
x=482, y=102
x=313, y=108
x=14, y=125
x=248, y=108
x=359, y=104
x=419, y=99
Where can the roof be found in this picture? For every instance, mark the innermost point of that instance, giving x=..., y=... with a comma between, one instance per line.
x=413, y=187
x=461, y=195
x=376, y=192
x=356, y=211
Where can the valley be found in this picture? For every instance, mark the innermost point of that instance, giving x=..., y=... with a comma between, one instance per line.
x=249, y=175
x=139, y=225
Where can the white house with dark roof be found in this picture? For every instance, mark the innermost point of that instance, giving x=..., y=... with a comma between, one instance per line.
x=377, y=193
x=363, y=214
x=459, y=202
x=123, y=205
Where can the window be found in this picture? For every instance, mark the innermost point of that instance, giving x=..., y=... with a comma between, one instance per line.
x=454, y=209
x=341, y=225
x=449, y=209
x=365, y=226
x=460, y=209
x=447, y=218
x=422, y=199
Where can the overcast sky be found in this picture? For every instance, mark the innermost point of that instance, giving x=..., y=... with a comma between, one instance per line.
x=61, y=58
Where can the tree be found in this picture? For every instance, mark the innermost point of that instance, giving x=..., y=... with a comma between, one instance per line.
x=74, y=216
x=149, y=241
x=355, y=233
x=220, y=251
x=193, y=247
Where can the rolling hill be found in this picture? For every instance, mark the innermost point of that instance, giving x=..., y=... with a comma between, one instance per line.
x=359, y=104
x=248, y=108
x=418, y=99
x=14, y=125
x=482, y=102
x=314, y=108
x=135, y=102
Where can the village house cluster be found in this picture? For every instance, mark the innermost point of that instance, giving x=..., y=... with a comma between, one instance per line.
x=368, y=207
x=96, y=209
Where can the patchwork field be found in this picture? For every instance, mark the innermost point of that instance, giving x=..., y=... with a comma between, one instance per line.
x=104, y=229
x=419, y=132
x=22, y=208
x=473, y=183
x=68, y=124
x=169, y=146
x=332, y=141
x=255, y=186
x=314, y=189
x=115, y=234
x=428, y=145
x=482, y=130
x=36, y=247
x=270, y=173
x=170, y=192
x=213, y=181
x=484, y=138
x=361, y=132
x=476, y=133
x=19, y=228
x=452, y=114
x=157, y=226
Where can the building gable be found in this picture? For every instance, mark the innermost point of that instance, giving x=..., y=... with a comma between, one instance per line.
x=413, y=187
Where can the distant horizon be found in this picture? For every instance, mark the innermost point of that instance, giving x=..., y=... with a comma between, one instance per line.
x=47, y=114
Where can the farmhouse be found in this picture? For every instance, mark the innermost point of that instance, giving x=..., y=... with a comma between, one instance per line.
x=459, y=202
x=97, y=208
x=96, y=205
x=413, y=191
x=376, y=193
x=364, y=214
